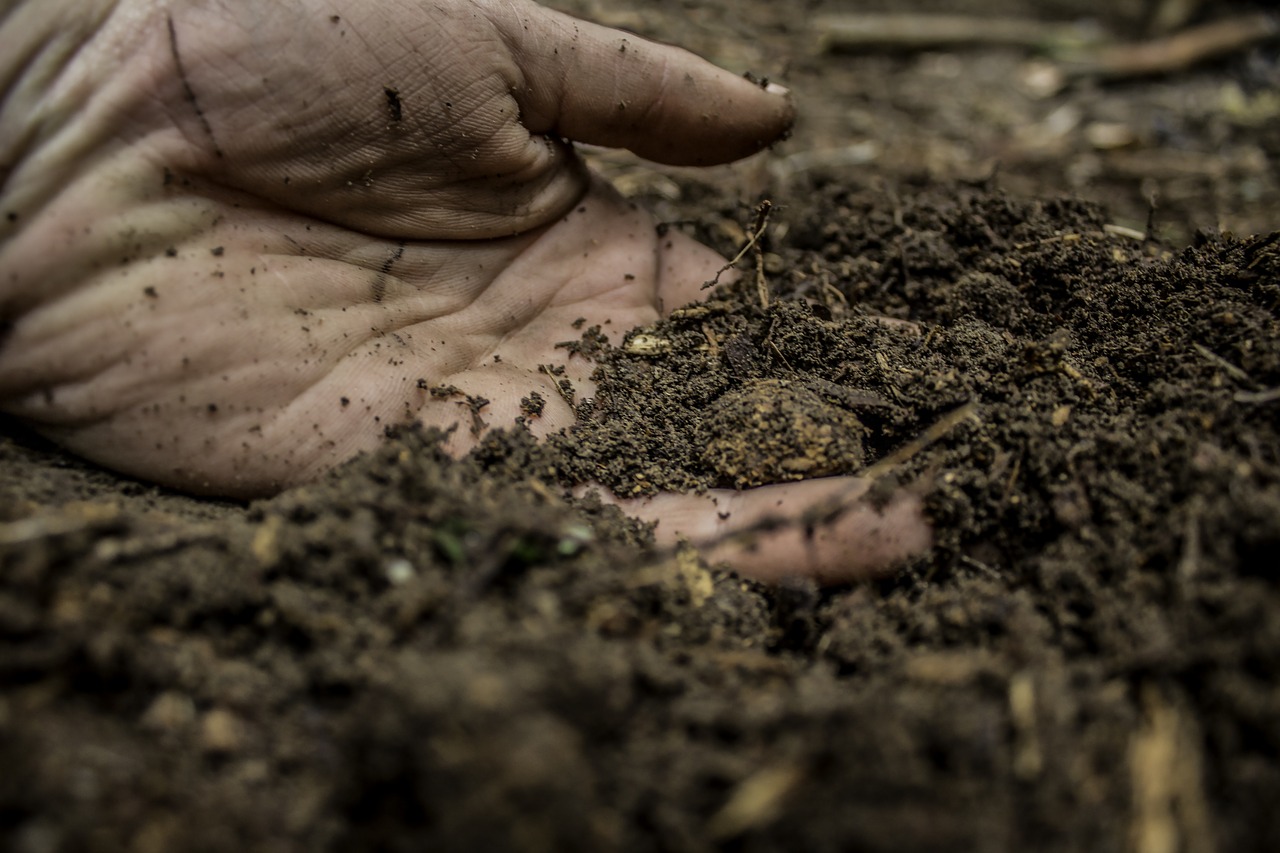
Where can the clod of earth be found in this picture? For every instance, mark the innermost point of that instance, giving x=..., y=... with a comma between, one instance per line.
x=773, y=430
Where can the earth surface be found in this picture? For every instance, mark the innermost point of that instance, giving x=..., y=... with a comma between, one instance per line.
x=418, y=653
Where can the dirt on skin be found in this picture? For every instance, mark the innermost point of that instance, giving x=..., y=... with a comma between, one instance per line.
x=420, y=653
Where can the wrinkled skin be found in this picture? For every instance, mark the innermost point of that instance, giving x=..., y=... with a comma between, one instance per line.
x=241, y=238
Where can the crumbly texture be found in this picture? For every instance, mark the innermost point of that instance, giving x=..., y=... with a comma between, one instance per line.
x=421, y=653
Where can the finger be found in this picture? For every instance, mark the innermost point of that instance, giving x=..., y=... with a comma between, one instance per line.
x=861, y=542
x=601, y=86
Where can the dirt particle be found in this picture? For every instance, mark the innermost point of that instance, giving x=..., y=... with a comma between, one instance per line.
x=170, y=712
x=394, y=107
x=591, y=345
x=474, y=405
x=532, y=406
x=221, y=731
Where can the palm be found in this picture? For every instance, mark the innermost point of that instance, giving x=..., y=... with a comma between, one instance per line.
x=300, y=341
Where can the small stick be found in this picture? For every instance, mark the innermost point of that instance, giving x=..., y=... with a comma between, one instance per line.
x=911, y=32
x=1012, y=479
x=713, y=343
x=1232, y=371
x=757, y=231
x=831, y=509
x=1268, y=396
x=827, y=511
x=71, y=519
x=762, y=286
x=768, y=341
x=1131, y=233
x=1084, y=52
x=1178, y=52
x=940, y=428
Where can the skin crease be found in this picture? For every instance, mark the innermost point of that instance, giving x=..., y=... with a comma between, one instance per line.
x=238, y=239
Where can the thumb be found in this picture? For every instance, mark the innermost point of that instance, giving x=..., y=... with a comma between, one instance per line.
x=605, y=87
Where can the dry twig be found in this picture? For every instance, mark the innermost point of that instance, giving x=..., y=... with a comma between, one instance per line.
x=1082, y=52
x=757, y=231
x=911, y=32
x=1177, y=52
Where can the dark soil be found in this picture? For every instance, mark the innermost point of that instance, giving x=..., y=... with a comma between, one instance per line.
x=424, y=654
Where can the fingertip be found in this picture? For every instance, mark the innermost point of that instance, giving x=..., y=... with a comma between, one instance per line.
x=765, y=533
x=721, y=119
x=862, y=543
x=661, y=102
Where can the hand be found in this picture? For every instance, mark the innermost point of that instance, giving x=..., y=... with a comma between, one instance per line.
x=241, y=238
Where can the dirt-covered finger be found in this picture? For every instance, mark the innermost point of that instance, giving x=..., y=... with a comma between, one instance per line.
x=605, y=87
x=772, y=534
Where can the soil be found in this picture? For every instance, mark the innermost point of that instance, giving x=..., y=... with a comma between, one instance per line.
x=422, y=653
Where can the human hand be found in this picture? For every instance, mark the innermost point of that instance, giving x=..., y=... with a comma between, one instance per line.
x=240, y=239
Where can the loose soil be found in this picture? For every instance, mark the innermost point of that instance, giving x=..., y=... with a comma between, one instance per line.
x=421, y=653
